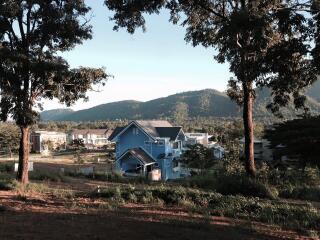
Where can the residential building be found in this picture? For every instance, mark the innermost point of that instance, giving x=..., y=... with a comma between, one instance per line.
x=142, y=146
x=197, y=138
x=42, y=141
x=92, y=138
x=218, y=152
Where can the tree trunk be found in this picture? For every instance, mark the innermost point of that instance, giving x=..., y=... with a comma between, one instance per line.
x=248, y=129
x=22, y=175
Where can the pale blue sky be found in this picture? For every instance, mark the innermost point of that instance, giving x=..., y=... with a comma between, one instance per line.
x=145, y=66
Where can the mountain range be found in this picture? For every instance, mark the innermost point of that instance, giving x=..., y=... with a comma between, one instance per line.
x=203, y=103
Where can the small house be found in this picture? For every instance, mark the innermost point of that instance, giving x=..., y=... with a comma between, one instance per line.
x=43, y=141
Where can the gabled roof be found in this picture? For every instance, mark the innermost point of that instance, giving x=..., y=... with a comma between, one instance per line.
x=115, y=132
x=151, y=126
x=154, y=129
x=168, y=132
x=140, y=154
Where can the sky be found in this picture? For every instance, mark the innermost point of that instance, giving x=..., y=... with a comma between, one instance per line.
x=145, y=66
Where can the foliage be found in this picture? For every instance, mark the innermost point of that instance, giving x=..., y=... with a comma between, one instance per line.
x=5, y=184
x=109, y=177
x=181, y=112
x=6, y=167
x=77, y=143
x=199, y=157
x=9, y=137
x=48, y=144
x=232, y=184
x=32, y=34
x=309, y=193
x=298, y=138
x=287, y=215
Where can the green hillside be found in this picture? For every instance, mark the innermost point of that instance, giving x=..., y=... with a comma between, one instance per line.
x=204, y=103
x=55, y=114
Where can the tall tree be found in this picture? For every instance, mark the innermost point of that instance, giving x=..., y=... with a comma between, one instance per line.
x=33, y=34
x=271, y=43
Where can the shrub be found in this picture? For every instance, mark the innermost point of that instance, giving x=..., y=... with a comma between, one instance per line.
x=5, y=185
x=233, y=184
x=255, y=209
x=64, y=194
x=23, y=189
x=6, y=167
x=308, y=176
x=6, y=181
x=240, y=184
x=114, y=194
x=302, y=193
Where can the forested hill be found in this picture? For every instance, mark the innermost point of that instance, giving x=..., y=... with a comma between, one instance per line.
x=204, y=103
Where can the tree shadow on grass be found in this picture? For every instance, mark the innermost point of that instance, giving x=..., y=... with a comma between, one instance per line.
x=134, y=223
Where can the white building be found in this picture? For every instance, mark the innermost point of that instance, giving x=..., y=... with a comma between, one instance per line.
x=92, y=137
x=203, y=139
x=45, y=140
x=197, y=138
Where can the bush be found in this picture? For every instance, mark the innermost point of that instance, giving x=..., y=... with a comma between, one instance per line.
x=6, y=181
x=5, y=185
x=7, y=167
x=308, y=176
x=243, y=185
x=112, y=193
x=233, y=184
x=255, y=209
x=302, y=193
x=109, y=177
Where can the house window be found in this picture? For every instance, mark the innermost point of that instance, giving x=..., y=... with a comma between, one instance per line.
x=175, y=145
x=135, y=131
x=160, y=143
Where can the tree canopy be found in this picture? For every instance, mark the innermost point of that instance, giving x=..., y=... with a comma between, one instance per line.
x=199, y=157
x=33, y=34
x=299, y=138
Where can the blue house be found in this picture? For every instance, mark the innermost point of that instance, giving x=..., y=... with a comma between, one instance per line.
x=142, y=146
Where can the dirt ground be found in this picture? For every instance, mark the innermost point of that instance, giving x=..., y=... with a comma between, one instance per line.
x=45, y=216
